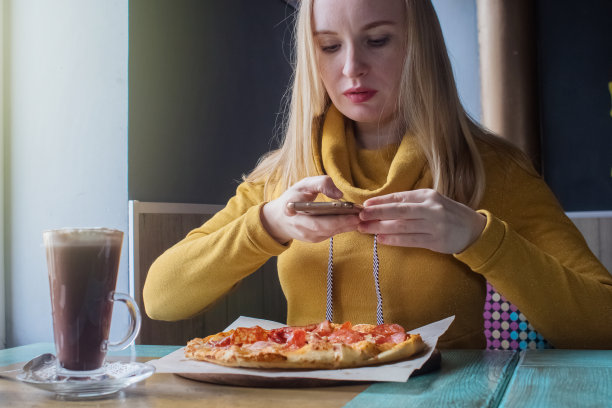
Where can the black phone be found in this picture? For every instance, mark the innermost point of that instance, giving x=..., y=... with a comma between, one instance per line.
x=325, y=208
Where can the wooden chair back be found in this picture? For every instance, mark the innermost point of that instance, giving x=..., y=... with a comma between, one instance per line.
x=596, y=227
x=155, y=227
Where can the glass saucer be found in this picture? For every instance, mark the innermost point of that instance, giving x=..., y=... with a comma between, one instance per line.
x=115, y=376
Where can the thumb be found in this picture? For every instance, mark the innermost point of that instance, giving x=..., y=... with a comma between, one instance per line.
x=308, y=188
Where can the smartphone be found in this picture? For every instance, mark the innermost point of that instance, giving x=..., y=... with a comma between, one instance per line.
x=325, y=208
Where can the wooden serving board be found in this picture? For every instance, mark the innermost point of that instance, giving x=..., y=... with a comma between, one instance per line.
x=244, y=380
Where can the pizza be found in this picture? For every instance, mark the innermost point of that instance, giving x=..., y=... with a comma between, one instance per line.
x=318, y=346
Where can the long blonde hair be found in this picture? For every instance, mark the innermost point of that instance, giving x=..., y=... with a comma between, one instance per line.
x=428, y=107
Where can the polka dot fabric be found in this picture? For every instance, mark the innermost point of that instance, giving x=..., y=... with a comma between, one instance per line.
x=506, y=328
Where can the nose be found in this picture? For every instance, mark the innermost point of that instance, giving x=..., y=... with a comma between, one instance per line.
x=354, y=64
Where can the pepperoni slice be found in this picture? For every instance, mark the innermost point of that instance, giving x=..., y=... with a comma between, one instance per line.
x=346, y=336
x=280, y=335
x=224, y=342
x=398, y=337
x=310, y=327
x=323, y=329
x=248, y=335
x=386, y=329
x=394, y=338
x=346, y=326
x=297, y=338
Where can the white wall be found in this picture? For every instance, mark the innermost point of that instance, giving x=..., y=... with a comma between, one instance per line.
x=2, y=300
x=458, y=19
x=67, y=140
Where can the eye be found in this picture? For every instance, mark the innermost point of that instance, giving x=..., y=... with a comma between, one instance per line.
x=330, y=48
x=378, y=42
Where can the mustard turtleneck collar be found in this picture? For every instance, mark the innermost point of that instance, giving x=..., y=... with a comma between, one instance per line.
x=338, y=156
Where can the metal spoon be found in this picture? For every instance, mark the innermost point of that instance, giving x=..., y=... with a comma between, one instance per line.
x=31, y=366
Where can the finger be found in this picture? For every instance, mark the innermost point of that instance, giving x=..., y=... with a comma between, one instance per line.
x=413, y=196
x=308, y=188
x=348, y=219
x=290, y=211
x=395, y=227
x=393, y=211
x=337, y=225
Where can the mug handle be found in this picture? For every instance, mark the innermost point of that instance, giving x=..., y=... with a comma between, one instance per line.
x=135, y=321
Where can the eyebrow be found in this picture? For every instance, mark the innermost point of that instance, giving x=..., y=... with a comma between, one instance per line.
x=365, y=27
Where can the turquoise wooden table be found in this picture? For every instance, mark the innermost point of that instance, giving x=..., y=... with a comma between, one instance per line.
x=468, y=378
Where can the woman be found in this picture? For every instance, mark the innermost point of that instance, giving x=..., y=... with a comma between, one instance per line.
x=375, y=118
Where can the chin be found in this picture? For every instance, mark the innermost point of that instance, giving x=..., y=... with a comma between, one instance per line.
x=363, y=114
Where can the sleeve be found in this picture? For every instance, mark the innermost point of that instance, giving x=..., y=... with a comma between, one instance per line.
x=535, y=256
x=194, y=273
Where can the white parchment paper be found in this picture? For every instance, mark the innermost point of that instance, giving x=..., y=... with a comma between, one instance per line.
x=176, y=362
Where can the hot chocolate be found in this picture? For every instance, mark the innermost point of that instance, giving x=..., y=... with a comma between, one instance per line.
x=83, y=266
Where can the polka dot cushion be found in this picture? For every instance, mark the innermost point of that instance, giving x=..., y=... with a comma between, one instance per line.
x=506, y=328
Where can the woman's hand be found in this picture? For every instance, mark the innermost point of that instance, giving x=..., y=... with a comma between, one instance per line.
x=284, y=224
x=423, y=219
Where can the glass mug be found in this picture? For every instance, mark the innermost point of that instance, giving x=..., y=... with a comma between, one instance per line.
x=83, y=264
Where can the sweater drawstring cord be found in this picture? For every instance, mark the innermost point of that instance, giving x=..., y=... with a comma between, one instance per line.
x=329, y=310
x=379, y=310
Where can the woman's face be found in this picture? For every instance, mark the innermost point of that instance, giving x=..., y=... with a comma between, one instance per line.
x=360, y=55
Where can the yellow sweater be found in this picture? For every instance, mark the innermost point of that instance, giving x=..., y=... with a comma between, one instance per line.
x=530, y=251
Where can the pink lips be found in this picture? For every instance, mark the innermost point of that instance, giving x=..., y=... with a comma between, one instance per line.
x=359, y=94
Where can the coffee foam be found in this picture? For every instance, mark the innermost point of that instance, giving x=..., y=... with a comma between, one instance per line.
x=81, y=236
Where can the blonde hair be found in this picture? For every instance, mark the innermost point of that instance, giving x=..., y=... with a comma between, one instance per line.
x=428, y=107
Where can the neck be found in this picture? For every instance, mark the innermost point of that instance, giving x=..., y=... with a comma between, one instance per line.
x=372, y=136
